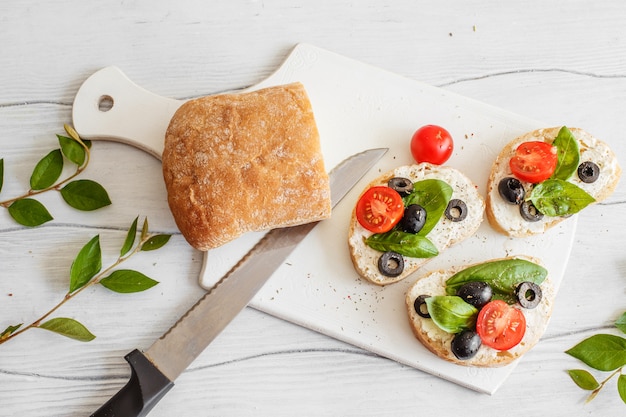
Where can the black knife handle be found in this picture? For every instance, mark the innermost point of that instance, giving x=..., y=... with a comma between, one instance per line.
x=147, y=385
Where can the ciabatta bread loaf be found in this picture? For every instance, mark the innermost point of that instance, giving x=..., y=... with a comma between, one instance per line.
x=506, y=218
x=443, y=235
x=236, y=163
x=439, y=341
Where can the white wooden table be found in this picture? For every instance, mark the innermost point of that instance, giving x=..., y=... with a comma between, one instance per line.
x=561, y=62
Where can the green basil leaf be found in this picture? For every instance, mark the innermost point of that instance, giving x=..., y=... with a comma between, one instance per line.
x=432, y=194
x=72, y=150
x=127, y=281
x=621, y=387
x=68, y=328
x=604, y=352
x=1, y=173
x=155, y=242
x=130, y=238
x=47, y=171
x=87, y=264
x=502, y=275
x=407, y=244
x=29, y=212
x=583, y=379
x=555, y=197
x=568, y=154
x=85, y=195
x=9, y=331
x=620, y=323
x=451, y=313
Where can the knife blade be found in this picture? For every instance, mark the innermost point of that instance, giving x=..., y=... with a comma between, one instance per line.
x=153, y=372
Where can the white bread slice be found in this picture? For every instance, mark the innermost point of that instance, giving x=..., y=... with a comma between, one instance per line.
x=506, y=219
x=443, y=235
x=438, y=341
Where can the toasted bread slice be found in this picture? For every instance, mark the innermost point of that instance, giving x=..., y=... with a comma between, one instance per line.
x=443, y=235
x=506, y=219
x=438, y=341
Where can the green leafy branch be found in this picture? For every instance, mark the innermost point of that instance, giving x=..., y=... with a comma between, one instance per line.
x=86, y=271
x=85, y=195
x=602, y=352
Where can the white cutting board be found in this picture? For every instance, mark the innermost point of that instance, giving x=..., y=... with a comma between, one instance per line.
x=356, y=107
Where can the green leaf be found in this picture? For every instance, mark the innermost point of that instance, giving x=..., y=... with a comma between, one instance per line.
x=47, y=171
x=72, y=150
x=620, y=323
x=555, y=197
x=130, y=238
x=127, y=281
x=29, y=212
x=503, y=276
x=621, y=387
x=604, y=352
x=407, y=244
x=155, y=242
x=433, y=195
x=451, y=313
x=85, y=195
x=1, y=173
x=9, y=331
x=583, y=379
x=568, y=154
x=68, y=328
x=144, y=229
x=87, y=264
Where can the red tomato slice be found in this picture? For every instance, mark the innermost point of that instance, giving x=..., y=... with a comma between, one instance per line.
x=534, y=161
x=500, y=326
x=379, y=209
x=432, y=143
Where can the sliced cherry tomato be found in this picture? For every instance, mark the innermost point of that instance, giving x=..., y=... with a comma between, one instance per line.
x=379, y=209
x=432, y=144
x=534, y=161
x=500, y=326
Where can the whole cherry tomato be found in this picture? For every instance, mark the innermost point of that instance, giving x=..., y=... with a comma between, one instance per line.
x=432, y=144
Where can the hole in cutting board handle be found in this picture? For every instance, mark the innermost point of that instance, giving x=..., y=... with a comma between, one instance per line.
x=105, y=103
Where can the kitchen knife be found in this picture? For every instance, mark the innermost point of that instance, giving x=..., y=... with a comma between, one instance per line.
x=153, y=371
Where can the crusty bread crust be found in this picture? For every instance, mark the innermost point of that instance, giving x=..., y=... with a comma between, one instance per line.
x=235, y=163
x=444, y=235
x=505, y=218
x=438, y=341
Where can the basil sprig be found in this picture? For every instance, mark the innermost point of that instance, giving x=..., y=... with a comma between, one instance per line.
x=433, y=195
x=502, y=275
x=556, y=196
x=451, y=313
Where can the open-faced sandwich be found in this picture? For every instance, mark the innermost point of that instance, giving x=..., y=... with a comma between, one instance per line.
x=407, y=216
x=484, y=315
x=545, y=176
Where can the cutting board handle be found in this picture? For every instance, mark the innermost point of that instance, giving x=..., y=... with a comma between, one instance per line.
x=109, y=106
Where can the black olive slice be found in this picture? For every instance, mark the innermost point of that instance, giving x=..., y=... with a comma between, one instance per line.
x=420, y=306
x=476, y=293
x=529, y=212
x=511, y=190
x=465, y=344
x=528, y=294
x=588, y=172
x=403, y=186
x=414, y=218
x=391, y=264
x=456, y=210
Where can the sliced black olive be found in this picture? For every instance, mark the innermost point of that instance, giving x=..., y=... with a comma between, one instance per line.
x=456, y=210
x=403, y=186
x=475, y=293
x=420, y=306
x=528, y=294
x=414, y=218
x=511, y=190
x=588, y=172
x=391, y=264
x=465, y=344
x=529, y=212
